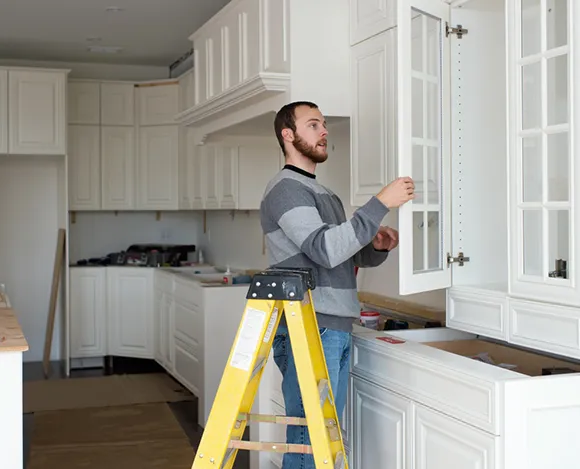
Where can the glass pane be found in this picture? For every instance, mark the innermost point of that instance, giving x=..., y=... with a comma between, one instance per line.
x=432, y=109
x=558, y=167
x=532, y=236
x=417, y=42
x=426, y=133
x=532, y=169
x=433, y=176
x=557, y=82
x=434, y=242
x=557, y=23
x=531, y=31
x=433, y=46
x=419, y=241
x=417, y=107
x=417, y=175
x=531, y=96
x=559, y=243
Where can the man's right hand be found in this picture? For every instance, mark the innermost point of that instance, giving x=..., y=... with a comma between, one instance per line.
x=398, y=192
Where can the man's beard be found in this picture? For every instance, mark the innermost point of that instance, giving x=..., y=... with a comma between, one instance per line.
x=314, y=153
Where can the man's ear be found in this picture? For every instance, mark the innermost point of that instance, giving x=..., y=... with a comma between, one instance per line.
x=288, y=135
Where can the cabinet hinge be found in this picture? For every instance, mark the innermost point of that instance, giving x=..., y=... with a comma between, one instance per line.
x=459, y=30
x=460, y=259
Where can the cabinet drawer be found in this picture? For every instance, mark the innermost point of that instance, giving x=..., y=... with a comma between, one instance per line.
x=188, y=368
x=479, y=312
x=188, y=292
x=546, y=326
x=188, y=323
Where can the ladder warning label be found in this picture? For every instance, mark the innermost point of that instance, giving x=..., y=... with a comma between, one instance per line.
x=248, y=339
x=271, y=324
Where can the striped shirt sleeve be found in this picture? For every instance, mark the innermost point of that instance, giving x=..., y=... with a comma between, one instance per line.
x=293, y=207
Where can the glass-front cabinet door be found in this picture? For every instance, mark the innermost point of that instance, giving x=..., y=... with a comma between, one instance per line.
x=544, y=202
x=423, y=118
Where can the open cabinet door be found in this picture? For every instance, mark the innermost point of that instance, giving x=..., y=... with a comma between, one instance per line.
x=423, y=117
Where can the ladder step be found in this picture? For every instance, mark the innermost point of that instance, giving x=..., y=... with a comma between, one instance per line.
x=270, y=446
x=281, y=419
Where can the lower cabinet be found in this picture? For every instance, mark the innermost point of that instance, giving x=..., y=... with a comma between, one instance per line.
x=156, y=314
x=111, y=312
x=440, y=398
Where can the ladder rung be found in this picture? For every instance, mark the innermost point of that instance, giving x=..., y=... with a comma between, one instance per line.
x=270, y=446
x=282, y=419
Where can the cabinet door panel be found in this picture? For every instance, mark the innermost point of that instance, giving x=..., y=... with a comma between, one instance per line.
x=543, y=220
x=373, y=149
x=423, y=116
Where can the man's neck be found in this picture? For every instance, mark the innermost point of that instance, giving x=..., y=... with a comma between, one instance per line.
x=300, y=161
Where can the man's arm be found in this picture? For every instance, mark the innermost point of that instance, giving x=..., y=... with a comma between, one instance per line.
x=293, y=207
x=370, y=257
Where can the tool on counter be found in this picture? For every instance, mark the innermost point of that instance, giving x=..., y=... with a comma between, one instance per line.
x=271, y=294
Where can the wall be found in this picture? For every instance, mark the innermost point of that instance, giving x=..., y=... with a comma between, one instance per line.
x=31, y=212
x=96, y=234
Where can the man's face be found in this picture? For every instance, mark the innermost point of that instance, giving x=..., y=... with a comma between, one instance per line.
x=310, y=135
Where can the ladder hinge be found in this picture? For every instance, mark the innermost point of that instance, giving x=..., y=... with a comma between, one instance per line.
x=459, y=30
x=460, y=259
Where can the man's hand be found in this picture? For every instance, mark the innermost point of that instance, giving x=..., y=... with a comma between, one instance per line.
x=386, y=238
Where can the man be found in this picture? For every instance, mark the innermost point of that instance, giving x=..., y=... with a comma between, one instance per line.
x=305, y=226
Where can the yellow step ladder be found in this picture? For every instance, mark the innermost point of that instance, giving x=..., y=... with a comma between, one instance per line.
x=273, y=292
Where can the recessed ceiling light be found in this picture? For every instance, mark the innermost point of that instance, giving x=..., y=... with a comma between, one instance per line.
x=115, y=9
x=105, y=49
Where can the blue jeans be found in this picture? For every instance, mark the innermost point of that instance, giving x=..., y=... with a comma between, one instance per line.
x=336, y=346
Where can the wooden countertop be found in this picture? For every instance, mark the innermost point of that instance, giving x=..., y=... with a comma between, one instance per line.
x=11, y=336
x=426, y=313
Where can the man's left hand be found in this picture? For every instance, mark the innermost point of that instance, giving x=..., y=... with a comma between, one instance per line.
x=386, y=238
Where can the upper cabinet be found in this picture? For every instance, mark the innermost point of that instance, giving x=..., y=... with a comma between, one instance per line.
x=32, y=111
x=484, y=119
x=253, y=56
x=125, y=147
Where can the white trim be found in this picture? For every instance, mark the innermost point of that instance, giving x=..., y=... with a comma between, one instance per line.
x=262, y=86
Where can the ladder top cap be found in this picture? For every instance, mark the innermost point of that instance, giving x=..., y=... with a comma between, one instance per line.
x=281, y=283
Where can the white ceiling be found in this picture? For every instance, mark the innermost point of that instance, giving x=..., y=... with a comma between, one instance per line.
x=151, y=32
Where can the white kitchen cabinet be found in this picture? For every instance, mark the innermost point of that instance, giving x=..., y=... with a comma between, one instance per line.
x=130, y=317
x=164, y=314
x=158, y=103
x=484, y=123
x=84, y=102
x=117, y=103
x=142, y=159
x=84, y=167
x=3, y=111
x=88, y=312
x=117, y=168
x=231, y=173
x=36, y=111
x=501, y=416
x=380, y=425
x=252, y=57
x=158, y=164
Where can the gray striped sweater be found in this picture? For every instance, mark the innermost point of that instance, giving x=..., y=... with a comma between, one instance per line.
x=305, y=226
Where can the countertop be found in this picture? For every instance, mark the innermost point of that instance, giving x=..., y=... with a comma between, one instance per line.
x=11, y=336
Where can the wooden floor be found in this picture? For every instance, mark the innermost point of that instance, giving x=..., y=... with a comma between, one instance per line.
x=185, y=412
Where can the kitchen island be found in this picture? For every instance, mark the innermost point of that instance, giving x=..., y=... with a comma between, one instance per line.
x=12, y=345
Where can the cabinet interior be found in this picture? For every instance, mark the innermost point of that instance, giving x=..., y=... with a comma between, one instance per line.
x=479, y=156
x=526, y=362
